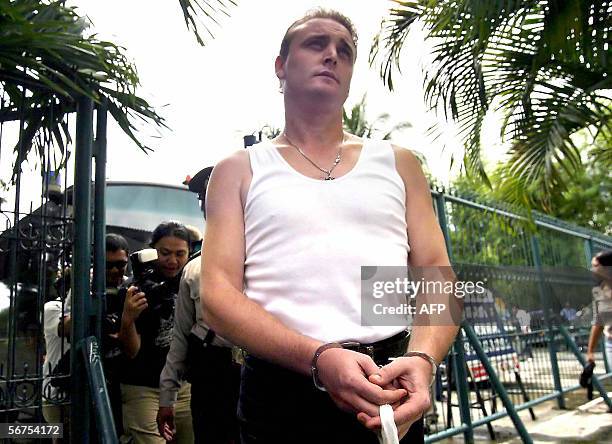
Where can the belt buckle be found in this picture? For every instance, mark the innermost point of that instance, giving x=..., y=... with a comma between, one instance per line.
x=350, y=344
x=359, y=347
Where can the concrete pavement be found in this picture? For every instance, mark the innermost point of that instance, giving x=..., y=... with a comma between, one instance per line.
x=585, y=422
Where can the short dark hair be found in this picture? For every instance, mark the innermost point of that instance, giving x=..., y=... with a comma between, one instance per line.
x=605, y=257
x=315, y=14
x=116, y=242
x=170, y=228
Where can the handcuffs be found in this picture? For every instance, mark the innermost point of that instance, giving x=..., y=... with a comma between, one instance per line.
x=315, y=371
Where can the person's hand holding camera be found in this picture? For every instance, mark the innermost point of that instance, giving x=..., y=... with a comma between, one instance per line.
x=135, y=303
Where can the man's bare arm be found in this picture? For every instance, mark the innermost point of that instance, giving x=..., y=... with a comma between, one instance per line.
x=427, y=250
x=64, y=327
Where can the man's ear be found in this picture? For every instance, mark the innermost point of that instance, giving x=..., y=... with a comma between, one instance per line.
x=279, y=67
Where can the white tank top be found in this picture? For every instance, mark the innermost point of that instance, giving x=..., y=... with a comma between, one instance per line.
x=306, y=240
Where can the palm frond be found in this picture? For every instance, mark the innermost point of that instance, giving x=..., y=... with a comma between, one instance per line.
x=356, y=122
x=193, y=9
x=392, y=36
x=544, y=63
x=46, y=64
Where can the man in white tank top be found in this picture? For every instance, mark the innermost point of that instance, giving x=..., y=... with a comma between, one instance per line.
x=289, y=224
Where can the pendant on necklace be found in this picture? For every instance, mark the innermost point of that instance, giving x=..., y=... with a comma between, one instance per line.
x=329, y=178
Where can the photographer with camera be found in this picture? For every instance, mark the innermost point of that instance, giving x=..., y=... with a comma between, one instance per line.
x=117, y=252
x=57, y=328
x=146, y=332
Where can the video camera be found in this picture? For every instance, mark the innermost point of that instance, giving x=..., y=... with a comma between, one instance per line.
x=159, y=293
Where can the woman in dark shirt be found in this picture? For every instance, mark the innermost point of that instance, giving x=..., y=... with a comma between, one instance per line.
x=145, y=334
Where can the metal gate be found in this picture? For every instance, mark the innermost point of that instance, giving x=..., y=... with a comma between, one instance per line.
x=47, y=239
x=499, y=366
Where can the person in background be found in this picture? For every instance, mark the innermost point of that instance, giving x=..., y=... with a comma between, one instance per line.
x=601, y=266
x=568, y=313
x=56, y=346
x=205, y=359
x=117, y=252
x=522, y=320
x=145, y=336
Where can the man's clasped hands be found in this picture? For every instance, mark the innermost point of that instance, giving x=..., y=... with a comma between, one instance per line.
x=357, y=384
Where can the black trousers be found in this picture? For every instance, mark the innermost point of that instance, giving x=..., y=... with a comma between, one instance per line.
x=112, y=370
x=114, y=396
x=215, y=382
x=280, y=406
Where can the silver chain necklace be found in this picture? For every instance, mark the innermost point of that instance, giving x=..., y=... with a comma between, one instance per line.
x=328, y=172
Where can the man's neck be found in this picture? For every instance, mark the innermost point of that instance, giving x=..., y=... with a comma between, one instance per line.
x=314, y=127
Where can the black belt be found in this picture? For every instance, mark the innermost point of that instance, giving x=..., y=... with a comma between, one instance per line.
x=381, y=351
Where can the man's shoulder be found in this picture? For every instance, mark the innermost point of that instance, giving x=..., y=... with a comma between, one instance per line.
x=238, y=161
x=54, y=306
x=229, y=182
x=230, y=173
x=406, y=156
x=52, y=312
x=409, y=168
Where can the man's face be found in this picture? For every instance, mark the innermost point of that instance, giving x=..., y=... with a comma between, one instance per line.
x=172, y=255
x=116, y=261
x=320, y=61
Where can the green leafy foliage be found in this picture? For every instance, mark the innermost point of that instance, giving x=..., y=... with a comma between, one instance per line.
x=192, y=9
x=46, y=63
x=584, y=202
x=487, y=231
x=356, y=123
x=544, y=64
x=486, y=237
